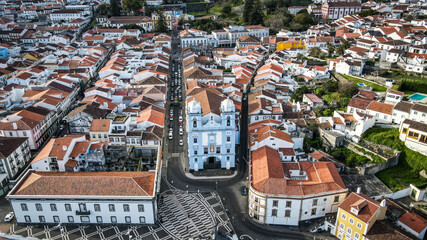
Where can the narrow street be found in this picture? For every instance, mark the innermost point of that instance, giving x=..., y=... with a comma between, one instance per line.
x=175, y=178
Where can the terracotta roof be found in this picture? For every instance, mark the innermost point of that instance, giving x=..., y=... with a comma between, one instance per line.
x=100, y=125
x=209, y=101
x=359, y=103
x=380, y=107
x=9, y=144
x=337, y=120
x=151, y=114
x=313, y=98
x=265, y=122
x=79, y=147
x=268, y=175
x=268, y=131
x=396, y=92
x=287, y=151
x=413, y=221
x=319, y=155
x=56, y=147
x=139, y=184
x=368, y=207
x=71, y=163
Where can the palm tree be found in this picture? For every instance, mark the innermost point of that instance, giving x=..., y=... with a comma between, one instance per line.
x=340, y=50
x=331, y=49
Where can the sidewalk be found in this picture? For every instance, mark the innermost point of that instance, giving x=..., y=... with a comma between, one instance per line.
x=191, y=176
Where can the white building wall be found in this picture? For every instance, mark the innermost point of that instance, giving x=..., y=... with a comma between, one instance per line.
x=63, y=214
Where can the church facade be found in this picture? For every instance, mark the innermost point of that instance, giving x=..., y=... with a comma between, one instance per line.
x=211, y=136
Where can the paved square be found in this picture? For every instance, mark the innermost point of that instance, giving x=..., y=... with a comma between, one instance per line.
x=182, y=215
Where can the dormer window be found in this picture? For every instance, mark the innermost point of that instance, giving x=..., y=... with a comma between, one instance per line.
x=353, y=210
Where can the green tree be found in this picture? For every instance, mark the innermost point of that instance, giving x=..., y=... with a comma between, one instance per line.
x=368, y=13
x=102, y=10
x=346, y=44
x=314, y=51
x=247, y=11
x=331, y=49
x=351, y=90
x=226, y=10
x=115, y=7
x=340, y=50
x=257, y=15
x=160, y=25
x=330, y=86
x=303, y=18
x=132, y=26
x=132, y=6
x=275, y=22
x=207, y=25
x=297, y=96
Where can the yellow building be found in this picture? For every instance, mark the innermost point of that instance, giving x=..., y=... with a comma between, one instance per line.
x=168, y=20
x=356, y=215
x=290, y=44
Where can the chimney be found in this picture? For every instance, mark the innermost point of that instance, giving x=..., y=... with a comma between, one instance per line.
x=383, y=203
x=64, y=147
x=358, y=190
x=14, y=126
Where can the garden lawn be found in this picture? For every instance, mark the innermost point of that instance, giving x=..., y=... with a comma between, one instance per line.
x=375, y=87
x=216, y=8
x=410, y=162
x=401, y=76
x=201, y=13
x=349, y=157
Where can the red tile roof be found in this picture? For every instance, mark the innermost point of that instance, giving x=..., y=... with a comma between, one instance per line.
x=368, y=207
x=140, y=184
x=359, y=103
x=268, y=175
x=380, y=107
x=413, y=221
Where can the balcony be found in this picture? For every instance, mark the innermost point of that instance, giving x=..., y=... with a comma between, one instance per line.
x=82, y=213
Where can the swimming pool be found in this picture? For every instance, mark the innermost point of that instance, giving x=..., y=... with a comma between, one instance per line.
x=417, y=97
x=361, y=84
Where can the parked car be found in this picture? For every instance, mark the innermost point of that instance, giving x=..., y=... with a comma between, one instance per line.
x=181, y=132
x=181, y=142
x=180, y=118
x=170, y=135
x=9, y=217
x=243, y=190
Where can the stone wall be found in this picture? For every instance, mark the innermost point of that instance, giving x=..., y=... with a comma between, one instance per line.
x=370, y=169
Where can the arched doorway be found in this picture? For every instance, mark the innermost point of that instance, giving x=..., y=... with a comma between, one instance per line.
x=212, y=163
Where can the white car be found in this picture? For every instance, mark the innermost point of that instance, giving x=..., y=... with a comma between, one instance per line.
x=180, y=131
x=181, y=142
x=170, y=136
x=9, y=217
x=180, y=118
